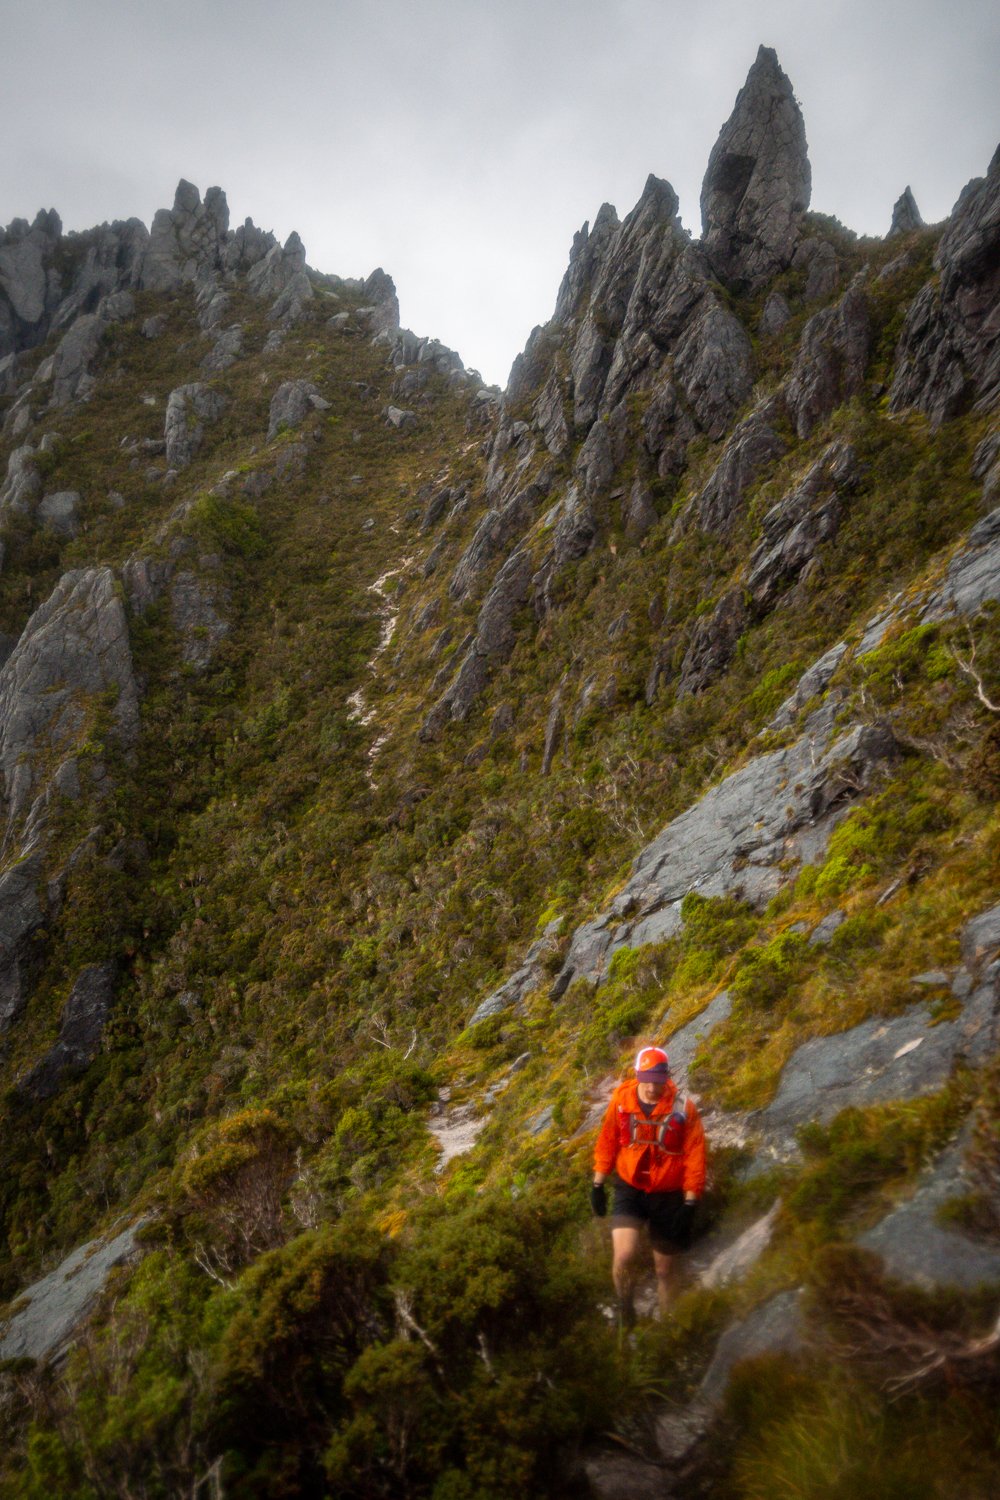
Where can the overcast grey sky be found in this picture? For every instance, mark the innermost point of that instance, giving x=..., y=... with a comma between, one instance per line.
x=460, y=143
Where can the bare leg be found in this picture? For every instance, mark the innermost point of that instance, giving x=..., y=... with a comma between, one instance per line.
x=665, y=1280
x=625, y=1242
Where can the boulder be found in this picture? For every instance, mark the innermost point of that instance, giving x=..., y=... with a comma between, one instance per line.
x=226, y=350
x=190, y=408
x=292, y=402
x=60, y=512
x=23, y=482
x=758, y=181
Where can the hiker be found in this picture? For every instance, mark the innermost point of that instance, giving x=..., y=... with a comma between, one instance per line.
x=652, y=1139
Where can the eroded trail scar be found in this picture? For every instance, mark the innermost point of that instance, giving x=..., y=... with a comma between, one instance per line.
x=359, y=709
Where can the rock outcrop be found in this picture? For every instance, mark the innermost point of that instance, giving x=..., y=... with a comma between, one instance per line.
x=81, y=1028
x=905, y=215
x=51, y=1310
x=74, y=647
x=949, y=353
x=831, y=361
x=190, y=408
x=758, y=181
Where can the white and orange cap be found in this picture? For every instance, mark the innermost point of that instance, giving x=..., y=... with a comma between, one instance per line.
x=651, y=1065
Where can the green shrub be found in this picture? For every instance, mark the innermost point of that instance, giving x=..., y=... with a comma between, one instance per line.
x=763, y=976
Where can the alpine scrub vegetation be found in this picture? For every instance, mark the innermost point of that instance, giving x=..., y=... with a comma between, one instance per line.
x=386, y=758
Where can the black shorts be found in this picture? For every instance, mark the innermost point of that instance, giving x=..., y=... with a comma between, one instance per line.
x=631, y=1208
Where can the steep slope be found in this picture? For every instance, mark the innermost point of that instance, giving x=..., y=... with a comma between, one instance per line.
x=384, y=757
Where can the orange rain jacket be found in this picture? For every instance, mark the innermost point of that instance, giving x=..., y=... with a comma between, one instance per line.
x=628, y=1143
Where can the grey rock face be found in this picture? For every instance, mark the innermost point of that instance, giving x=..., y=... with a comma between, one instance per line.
x=48, y=280
x=973, y=575
x=905, y=215
x=21, y=914
x=949, y=352
x=822, y=271
x=738, y=1258
x=638, y=512
x=495, y=533
x=491, y=646
x=554, y=727
x=24, y=253
x=814, y=680
x=226, y=350
x=778, y=1326
x=291, y=403
x=525, y=979
x=758, y=181
x=80, y=1031
x=774, y=314
x=752, y=448
x=896, y=1058
x=60, y=512
x=382, y=309
x=73, y=359
x=186, y=243
x=245, y=247
x=550, y=415
x=74, y=646
x=189, y=409
x=780, y=807
x=831, y=361
x=713, y=643
x=684, y=1044
x=714, y=364
x=798, y=525
x=195, y=617
x=280, y=277
x=58, y=1304
x=914, y=1247
x=23, y=483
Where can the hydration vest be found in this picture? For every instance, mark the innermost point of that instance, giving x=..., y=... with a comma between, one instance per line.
x=666, y=1134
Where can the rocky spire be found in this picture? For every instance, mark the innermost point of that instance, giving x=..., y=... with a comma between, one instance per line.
x=905, y=215
x=758, y=181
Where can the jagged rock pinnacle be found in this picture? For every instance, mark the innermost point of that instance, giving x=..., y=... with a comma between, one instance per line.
x=905, y=215
x=758, y=181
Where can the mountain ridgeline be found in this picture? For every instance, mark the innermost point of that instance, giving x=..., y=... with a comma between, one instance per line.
x=385, y=757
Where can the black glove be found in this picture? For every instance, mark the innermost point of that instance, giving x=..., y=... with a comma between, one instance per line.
x=599, y=1199
x=684, y=1225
